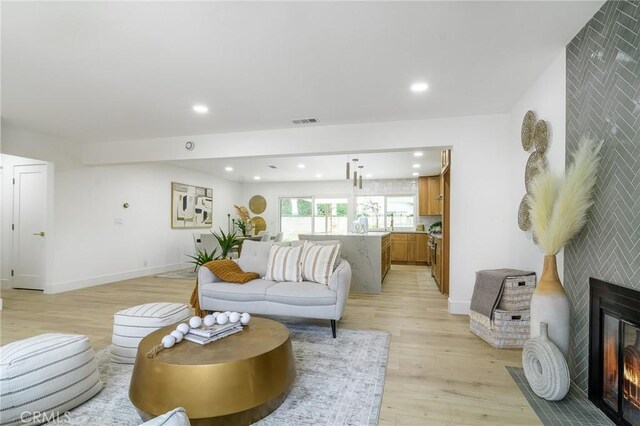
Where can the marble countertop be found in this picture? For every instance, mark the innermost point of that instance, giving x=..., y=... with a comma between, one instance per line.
x=410, y=231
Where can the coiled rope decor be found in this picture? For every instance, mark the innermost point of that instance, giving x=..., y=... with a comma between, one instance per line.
x=545, y=367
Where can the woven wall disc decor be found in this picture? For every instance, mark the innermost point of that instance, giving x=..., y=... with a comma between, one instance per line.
x=541, y=137
x=524, y=219
x=259, y=224
x=528, y=127
x=257, y=204
x=536, y=163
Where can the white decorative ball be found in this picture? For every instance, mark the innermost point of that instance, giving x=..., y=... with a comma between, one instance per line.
x=222, y=319
x=227, y=313
x=245, y=318
x=216, y=313
x=183, y=328
x=168, y=341
x=178, y=335
x=195, y=322
x=209, y=320
x=234, y=317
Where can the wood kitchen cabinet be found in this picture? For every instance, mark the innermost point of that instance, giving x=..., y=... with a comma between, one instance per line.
x=429, y=200
x=436, y=265
x=409, y=248
x=422, y=248
x=386, y=256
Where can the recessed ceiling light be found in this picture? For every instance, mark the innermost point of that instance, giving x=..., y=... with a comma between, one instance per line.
x=201, y=109
x=416, y=166
x=318, y=175
x=416, y=174
x=419, y=87
x=256, y=177
x=418, y=154
x=301, y=166
x=368, y=175
x=229, y=169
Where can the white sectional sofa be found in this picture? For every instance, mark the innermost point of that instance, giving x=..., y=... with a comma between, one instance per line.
x=299, y=299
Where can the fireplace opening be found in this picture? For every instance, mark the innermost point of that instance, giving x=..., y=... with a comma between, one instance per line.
x=614, y=351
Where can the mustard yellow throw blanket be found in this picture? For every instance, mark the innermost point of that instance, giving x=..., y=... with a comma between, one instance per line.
x=228, y=271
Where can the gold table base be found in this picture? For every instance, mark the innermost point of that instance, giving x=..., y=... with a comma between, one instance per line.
x=237, y=380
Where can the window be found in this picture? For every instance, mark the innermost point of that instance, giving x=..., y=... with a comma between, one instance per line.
x=400, y=210
x=372, y=208
x=295, y=217
x=381, y=209
x=304, y=215
x=331, y=215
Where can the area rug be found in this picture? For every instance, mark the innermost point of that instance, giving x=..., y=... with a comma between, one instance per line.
x=574, y=410
x=339, y=382
x=183, y=274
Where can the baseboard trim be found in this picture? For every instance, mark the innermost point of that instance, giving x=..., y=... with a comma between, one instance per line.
x=111, y=278
x=459, y=307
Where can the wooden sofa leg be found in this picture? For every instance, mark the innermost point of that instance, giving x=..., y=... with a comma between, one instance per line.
x=333, y=328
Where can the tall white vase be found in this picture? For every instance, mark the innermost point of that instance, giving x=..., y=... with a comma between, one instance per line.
x=550, y=305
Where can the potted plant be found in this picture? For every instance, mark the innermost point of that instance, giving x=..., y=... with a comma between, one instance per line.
x=201, y=257
x=226, y=241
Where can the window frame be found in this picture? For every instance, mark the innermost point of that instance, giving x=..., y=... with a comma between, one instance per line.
x=384, y=215
x=313, y=198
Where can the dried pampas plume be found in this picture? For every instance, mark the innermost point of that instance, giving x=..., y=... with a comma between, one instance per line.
x=558, y=209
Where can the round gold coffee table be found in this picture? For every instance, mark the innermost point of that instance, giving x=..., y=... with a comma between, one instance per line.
x=236, y=380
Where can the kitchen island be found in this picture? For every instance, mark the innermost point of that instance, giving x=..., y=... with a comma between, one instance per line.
x=368, y=254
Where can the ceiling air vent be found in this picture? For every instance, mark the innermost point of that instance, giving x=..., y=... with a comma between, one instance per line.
x=305, y=121
x=271, y=166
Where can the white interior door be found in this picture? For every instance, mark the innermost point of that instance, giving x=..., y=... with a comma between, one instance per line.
x=29, y=220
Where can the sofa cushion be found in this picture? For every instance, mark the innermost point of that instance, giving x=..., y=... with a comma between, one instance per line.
x=297, y=243
x=318, y=262
x=284, y=264
x=254, y=256
x=305, y=293
x=250, y=292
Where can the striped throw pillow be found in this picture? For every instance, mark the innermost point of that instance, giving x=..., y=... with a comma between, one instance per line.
x=284, y=264
x=318, y=261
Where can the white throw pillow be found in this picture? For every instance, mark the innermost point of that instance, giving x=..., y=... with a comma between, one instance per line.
x=284, y=264
x=318, y=261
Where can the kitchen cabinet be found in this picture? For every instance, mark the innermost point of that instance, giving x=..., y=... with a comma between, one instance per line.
x=436, y=262
x=409, y=248
x=398, y=247
x=422, y=248
x=429, y=199
x=386, y=256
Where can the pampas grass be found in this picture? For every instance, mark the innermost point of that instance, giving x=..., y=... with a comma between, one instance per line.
x=558, y=210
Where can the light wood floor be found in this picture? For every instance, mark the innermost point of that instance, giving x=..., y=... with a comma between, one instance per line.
x=438, y=373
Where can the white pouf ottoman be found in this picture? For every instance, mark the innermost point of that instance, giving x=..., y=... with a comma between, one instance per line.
x=131, y=325
x=44, y=376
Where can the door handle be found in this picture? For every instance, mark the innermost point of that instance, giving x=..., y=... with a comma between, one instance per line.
x=41, y=233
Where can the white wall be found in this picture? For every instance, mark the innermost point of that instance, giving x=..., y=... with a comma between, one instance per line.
x=91, y=248
x=547, y=98
x=88, y=247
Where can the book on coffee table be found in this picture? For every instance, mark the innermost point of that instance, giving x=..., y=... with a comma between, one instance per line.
x=213, y=330
x=203, y=340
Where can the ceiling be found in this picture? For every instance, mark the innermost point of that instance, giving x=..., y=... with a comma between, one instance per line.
x=385, y=165
x=107, y=71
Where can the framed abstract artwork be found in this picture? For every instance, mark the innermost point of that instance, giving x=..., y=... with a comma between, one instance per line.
x=191, y=206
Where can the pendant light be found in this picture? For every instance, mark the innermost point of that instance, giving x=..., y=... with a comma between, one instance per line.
x=355, y=178
x=348, y=170
x=360, y=180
